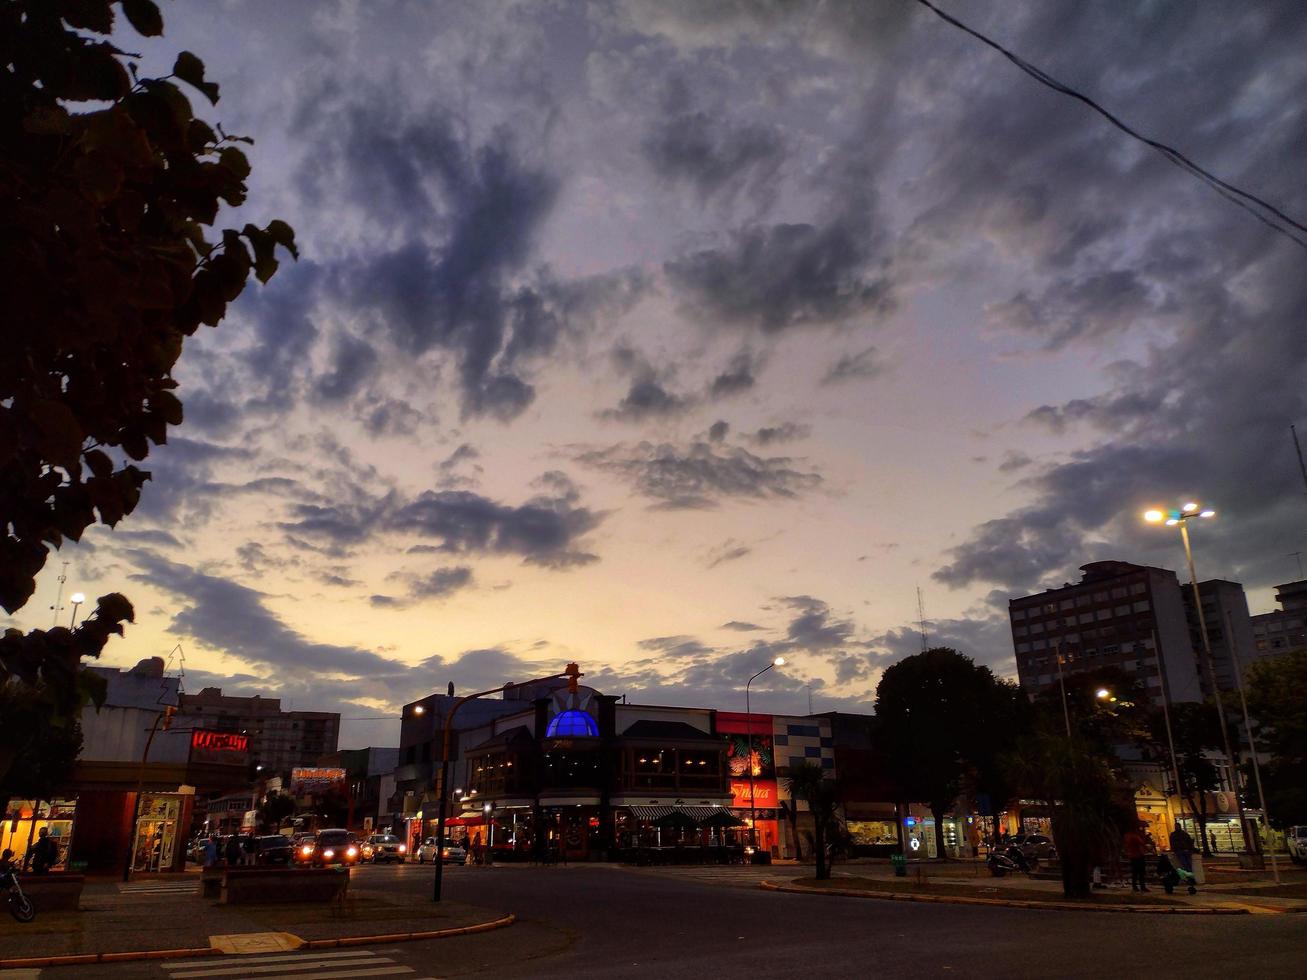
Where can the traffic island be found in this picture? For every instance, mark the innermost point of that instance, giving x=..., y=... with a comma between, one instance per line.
x=963, y=894
x=111, y=929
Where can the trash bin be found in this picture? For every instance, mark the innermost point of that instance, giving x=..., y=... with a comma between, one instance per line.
x=900, y=864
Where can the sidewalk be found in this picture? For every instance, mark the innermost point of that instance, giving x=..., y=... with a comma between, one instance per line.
x=113, y=921
x=968, y=879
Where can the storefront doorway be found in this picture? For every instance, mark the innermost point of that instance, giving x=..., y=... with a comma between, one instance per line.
x=155, y=845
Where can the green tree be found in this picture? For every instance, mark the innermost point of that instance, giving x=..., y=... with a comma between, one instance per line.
x=1197, y=733
x=109, y=188
x=276, y=807
x=808, y=782
x=1007, y=722
x=931, y=707
x=47, y=744
x=1274, y=686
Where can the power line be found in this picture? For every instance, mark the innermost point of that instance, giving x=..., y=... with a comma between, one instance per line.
x=1269, y=214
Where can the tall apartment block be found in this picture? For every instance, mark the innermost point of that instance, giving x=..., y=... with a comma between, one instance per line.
x=1118, y=615
x=1229, y=627
x=279, y=740
x=1286, y=628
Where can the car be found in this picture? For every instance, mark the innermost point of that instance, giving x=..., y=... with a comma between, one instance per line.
x=301, y=846
x=1036, y=847
x=1296, y=838
x=454, y=852
x=273, y=849
x=385, y=847
x=334, y=846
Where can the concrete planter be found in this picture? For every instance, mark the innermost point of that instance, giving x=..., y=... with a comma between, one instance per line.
x=264, y=886
x=58, y=892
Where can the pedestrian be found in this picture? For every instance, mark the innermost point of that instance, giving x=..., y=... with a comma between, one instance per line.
x=211, y=854
x=1211, y=839
x=1135, y=846
x=1182, y=846
x=476, y=848
x=249, y=849
x=45, y=853
x=233, y=851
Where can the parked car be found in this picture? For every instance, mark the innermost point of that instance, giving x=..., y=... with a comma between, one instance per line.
x=273, y=849
x=1036, y=847
x=384, y=847
x=1296, y=837
x=455, y=853
x=335, y=846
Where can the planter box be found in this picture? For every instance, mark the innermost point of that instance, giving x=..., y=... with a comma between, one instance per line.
x=59, y=892
x=264, y=886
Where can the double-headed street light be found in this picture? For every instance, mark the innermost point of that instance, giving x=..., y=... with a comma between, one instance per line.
x=748, y=711
x=1180, y=518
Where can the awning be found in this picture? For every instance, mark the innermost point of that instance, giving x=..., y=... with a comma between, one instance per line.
x=696, y=813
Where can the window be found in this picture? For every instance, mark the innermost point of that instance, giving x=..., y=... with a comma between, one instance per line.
x=1019, y=631
x=1036, y=627
x=1101, y=597
x=1122, y=610
x=1086, y=617
x=1018, y=614
x=1067, y=604
x=1023, y=648
x=1120, y=592
x=1141, y=606
x=1103, y=614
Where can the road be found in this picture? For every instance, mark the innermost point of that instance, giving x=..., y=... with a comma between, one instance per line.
x=614, y=922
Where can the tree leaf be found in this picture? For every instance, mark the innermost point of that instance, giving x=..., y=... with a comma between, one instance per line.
x=284, y=235
x=144, y=16
x=190, y=70
x=60, y=434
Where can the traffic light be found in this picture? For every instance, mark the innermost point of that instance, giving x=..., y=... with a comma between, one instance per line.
x=168, y=712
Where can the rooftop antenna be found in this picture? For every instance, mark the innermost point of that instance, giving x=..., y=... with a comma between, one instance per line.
x=1298, y=449
x=63, y=577
x=809, y=699
x=921, y=620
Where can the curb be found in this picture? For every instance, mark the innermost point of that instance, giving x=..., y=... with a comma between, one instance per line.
x=87, y=959
x=1002, y=902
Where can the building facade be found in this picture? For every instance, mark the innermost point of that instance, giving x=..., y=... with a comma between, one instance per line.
x=279, y=740
x=1284, y=629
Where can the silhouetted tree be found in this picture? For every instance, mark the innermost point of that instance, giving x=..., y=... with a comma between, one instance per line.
x=109, y=186
x=931, y=707
x=47, y=744
x=275, y=809
x=1276, y=703
x=808, y=782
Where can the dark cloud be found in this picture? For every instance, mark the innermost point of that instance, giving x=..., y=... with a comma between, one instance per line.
x=728, y=550
x=701, y=475
x=1083, y=307
x=740, y=375
x=777, y=277
x=771, y=435
x=851, y=367
x=441, y=583
x=718, y=430
x=645, y=399
x=713, y=154
x=741, y=626
x=676, y=647
x=1013, y=461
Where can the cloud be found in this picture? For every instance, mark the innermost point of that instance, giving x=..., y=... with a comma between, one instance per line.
x=740, y=376
x=728, y=550
x=1013, y=461
x=770, y=435
x=441, y=583
x=777, y=277
x=740, y=626
x=851, y=367
x=701, y=475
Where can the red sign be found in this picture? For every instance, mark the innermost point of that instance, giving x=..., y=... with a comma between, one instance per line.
x=738, y=723
x=211, y=746
x=764, y=794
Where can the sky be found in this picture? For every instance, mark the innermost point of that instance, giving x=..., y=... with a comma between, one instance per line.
x=672, y=337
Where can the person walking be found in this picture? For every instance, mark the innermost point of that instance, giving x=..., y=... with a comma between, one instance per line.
x=475, y=850
x=249, y=849
x=1182, y=846
x=233, y=851
x=45, y=853
x=211, y=855
x=1211, y=840
x=1135, y=846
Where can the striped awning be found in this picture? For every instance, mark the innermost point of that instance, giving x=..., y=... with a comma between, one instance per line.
x=696, y=813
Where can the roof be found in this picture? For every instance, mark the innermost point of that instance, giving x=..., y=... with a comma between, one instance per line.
x=677, y=730
x=504, y=739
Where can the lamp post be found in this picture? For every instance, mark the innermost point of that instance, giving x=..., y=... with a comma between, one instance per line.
x=572, y=672
x=1252, y=746
x=1181, y=518
x=77, y=599
x=748, y=711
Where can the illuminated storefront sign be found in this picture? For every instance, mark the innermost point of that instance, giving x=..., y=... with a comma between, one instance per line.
x=764, y=794
x=315, y=780
x=222, y=747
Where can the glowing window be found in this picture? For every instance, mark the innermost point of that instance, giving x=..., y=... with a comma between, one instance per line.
x=572, y=723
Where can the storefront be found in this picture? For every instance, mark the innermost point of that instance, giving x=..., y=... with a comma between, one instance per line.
x=24, y=820
x=751, y=771
x=161, y=831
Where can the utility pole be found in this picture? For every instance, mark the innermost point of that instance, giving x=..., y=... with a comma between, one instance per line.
x=921, y=620
x=59, y=596
x=1302, y=467
x=1252, y=746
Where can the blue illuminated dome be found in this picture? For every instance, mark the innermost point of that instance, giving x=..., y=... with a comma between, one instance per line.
x=572, y=723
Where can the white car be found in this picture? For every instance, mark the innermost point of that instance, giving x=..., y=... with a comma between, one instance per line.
x=1296, y=838
x=454, y=852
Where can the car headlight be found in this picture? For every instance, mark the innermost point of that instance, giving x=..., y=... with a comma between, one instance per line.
x=328, y=853
x=352, y=852
x=306, y=850
x=403, y=848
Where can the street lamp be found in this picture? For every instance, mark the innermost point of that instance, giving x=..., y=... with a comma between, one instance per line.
x=77, y=599
x=419, y=709
x=1180, y=518
x=1102, y=694
x=748, y=711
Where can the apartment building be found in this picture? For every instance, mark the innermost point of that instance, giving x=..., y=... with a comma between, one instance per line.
x=279, y=740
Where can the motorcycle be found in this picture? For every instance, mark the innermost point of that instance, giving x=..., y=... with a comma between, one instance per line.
x=20, y=906
x=1007, y=860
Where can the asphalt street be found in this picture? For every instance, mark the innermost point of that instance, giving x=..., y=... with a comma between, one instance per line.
x=615, y=922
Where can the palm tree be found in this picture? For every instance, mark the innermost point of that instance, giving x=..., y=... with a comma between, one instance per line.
x=808, y=782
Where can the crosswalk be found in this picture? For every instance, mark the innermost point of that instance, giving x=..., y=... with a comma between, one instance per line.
x=330, y=965
x=159, y=887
